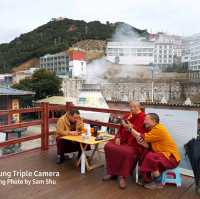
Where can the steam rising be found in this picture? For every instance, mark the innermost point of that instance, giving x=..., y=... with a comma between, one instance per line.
x=125, y=33
x=101, y=70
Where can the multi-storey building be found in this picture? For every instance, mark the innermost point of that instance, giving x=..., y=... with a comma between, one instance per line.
x=138, y=52
x=167, y=51
x=71, y=64
x=193, y=48
x=58, y=63
x=77, y=63
x=162, y=50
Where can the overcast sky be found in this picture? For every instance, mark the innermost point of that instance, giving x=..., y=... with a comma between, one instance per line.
x=173, y=16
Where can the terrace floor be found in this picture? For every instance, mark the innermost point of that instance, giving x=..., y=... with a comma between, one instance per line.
x=71, y=184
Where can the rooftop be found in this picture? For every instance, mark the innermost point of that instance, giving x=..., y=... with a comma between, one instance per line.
x=56, y=100
x=10, y=91
x=70, y=183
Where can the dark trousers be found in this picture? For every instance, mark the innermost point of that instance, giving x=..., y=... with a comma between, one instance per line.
x=66, y=146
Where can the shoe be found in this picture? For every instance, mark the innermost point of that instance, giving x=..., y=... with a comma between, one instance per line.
x=141, y=182
x=198, y=189
x=153, y=185
x=107, y=178
x=60, y=160
x=122, y=182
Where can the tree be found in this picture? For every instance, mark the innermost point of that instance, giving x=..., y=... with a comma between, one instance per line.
x=44, y=83
x=55, y=36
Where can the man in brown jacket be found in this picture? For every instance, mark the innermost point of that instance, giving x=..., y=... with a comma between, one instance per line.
x=68, y=124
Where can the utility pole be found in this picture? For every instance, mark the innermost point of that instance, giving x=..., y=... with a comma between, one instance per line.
x=152, y=81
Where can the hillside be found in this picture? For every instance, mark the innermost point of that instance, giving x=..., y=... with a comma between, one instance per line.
x=55, y=36
x=94, y=48
x=31, y=63
x=91, y=44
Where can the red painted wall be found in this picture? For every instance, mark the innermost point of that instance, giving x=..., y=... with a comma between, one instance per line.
x=76, y=55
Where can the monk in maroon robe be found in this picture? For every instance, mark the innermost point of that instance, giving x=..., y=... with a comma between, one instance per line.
x=123, y=152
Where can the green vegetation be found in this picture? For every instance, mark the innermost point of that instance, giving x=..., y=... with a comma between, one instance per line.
x=55, y=36
x=43, y=83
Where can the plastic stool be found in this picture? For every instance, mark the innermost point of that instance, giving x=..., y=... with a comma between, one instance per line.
x=171, y=176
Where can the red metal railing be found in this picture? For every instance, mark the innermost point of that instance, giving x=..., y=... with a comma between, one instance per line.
x=44, y=110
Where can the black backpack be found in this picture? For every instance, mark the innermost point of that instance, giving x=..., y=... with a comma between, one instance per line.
x=192, y=149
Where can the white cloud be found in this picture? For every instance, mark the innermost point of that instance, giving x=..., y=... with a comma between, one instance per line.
x=174, y=16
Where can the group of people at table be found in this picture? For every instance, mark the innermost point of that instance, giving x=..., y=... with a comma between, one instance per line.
x=141, y=139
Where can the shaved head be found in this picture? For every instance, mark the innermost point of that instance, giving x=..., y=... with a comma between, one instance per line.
x=135, y=107
x=135, y=103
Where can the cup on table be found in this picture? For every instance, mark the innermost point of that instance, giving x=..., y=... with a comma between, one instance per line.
x=96, y=129
x=83, y=131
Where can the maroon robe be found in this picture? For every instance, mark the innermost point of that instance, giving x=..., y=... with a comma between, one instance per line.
x=152, y=161
x=122, y=158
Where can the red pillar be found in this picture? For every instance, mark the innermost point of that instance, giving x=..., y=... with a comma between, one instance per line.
x=9, y=107
x=45, y=126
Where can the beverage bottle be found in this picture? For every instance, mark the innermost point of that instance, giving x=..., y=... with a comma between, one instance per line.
x=87, y=134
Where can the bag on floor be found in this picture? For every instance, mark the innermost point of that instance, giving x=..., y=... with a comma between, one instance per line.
x=192, y=149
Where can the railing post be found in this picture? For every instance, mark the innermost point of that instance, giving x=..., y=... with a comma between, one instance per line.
x=9, y=117
x=45, y=126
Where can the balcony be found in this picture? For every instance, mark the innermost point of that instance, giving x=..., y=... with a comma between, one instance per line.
x=70, y=183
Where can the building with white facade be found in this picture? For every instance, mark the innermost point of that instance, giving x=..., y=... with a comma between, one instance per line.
x=167, y=50
x=77, y=64
x=193, y=48
x=130, y=53
x=162, y=50
x=23, y=74
x=6, y=79
x=186, y=51
x=71, y=64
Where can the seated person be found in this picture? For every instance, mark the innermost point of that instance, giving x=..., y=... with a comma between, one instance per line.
x=162, y=154
x=68, y=124
x=123, y=152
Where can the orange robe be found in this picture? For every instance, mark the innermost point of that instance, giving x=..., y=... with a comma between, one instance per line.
x=164, y=154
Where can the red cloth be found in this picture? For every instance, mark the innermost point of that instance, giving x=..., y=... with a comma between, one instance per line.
x=121, y=159
x=138, y=123
x=153, y=161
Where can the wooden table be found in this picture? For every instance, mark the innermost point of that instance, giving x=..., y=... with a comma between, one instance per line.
x=84, y=160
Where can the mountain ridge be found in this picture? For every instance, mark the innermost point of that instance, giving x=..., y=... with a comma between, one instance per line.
x=55, y=36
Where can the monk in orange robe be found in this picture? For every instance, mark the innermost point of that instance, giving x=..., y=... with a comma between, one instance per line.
x=123, y=152
x=162, y=151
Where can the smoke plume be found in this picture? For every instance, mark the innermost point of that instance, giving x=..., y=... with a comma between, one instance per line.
x=101, y=70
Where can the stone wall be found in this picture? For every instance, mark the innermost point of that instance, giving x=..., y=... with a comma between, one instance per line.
x=71, y=87
x=141, y=90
